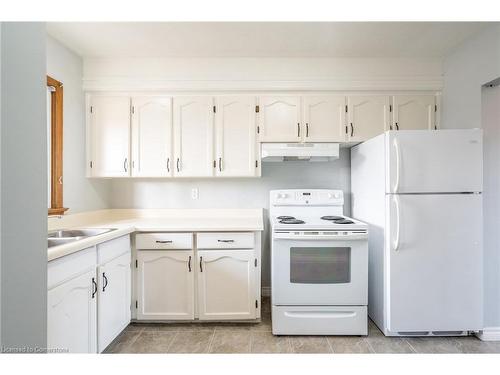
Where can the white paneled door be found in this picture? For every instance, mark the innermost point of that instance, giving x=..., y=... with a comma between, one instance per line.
x=235, y=133
x=152, y=136
x=114, y=298
x=109, y=147
x=368, y=116
x=226, y=284
x=279, y=119
x=324, y=118
x=165, y=285
x=193, y=136
x=71, y=315
x=414, y=112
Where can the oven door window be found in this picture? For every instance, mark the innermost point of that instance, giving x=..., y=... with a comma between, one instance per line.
x=320, y=265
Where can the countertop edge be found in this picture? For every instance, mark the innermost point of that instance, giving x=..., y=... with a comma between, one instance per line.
x=71, y=248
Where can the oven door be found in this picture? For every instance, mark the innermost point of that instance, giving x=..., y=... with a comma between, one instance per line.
x=320, y=271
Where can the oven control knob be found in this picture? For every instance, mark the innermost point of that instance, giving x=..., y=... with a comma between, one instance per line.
x=336, y=195
x=282, y=195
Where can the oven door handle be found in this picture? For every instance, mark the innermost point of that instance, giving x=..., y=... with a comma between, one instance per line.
x=320, y=314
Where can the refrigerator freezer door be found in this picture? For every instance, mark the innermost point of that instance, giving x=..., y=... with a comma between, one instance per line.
x=434, y=260
x=434, y=161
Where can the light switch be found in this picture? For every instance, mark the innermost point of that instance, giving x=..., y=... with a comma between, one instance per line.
x=194, y=193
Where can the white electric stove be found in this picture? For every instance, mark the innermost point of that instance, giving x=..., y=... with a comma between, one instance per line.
x=319, y=265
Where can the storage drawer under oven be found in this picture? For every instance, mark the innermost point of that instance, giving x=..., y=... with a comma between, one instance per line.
x=320, y=320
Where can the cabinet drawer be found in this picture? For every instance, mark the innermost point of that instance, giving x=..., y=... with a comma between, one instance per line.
x=152, y=241
x=113, y=248
x=226, y=240
x=69, y=266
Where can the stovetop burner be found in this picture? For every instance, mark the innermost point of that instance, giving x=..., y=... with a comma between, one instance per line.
x=343, y=221
x=331, y=218
x=285, y=217
x=292, y=221
x=337, y=219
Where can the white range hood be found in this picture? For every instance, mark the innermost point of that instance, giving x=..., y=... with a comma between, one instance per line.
x=275, y=152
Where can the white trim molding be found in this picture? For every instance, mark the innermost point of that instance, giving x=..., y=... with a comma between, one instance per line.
x=489, y=334
x=361, y=83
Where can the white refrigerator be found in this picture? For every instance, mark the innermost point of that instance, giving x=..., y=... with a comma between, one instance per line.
x=420, y=193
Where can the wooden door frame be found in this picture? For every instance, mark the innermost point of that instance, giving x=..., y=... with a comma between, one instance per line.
x=56, y=152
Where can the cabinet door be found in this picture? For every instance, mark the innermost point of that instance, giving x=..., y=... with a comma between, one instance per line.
x=226, y=284
x=113, y=312
x=152, y=137
x=165, y=285
x=71, y=315
x=193, y=137
x=324, y=118
x=413, y=112
x=368, y=117
x=279, y=119
x=109, y=133
x=235, y=136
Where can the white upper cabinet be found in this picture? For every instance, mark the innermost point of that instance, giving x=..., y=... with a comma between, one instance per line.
x=324, y=118
x=414, y=112
x=193, y=136
x=114, y=299
x=165, y=285
x=279, y=119
x=226, y=284
x=109, y=133
x=235, y=134
x=152, y=136
x=71, y=315
x=368, y=116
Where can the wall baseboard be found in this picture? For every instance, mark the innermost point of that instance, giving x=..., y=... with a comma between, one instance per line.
x=489, y=334
x=266, y=291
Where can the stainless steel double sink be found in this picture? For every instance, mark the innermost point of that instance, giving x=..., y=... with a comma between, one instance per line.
x=64, y=236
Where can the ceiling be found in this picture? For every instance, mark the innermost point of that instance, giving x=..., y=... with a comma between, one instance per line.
x=263, y=39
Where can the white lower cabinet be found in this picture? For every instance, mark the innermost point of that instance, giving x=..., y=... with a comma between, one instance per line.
x=88, y=301
x=217, y=279
x=113, y=299
x=226, y=284
x=71, y=315
x=165, y=285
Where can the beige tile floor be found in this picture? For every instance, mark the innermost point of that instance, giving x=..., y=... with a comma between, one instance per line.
x=257, y=338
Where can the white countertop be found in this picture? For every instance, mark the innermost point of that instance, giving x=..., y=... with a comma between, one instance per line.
x=152, y=220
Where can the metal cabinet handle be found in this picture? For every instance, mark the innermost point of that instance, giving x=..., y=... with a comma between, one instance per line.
x=352, y=129
x=307, y=130
x=227, y=241
x=298, y=130
x=220, y=164
x=397, y=126
x=163, y=241
x=105, y=279
x=189, y=263
x=168, y=164
x=201, y=264
x=94, y=287
x=125, y=164
x=178, y=165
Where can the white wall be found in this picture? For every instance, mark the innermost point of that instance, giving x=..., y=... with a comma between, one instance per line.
x=236, y=193
x=474, y=63
x=23, y=193
x=80, y=193
x=491, y=196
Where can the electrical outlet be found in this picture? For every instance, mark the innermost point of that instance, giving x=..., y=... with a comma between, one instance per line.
x=194, y=193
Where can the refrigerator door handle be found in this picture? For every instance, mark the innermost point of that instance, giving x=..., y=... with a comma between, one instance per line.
x=398, y=165
x=398, y=220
